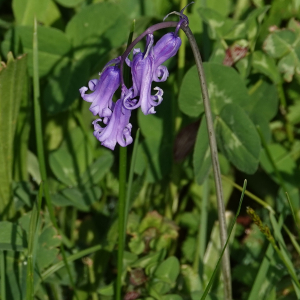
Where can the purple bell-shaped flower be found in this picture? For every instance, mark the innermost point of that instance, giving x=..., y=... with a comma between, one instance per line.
x=142, y=70
x=118, y=129
x=103, y=90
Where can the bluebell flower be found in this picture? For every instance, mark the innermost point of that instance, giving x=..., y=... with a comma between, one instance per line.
x=117, y=130
x=166, y=47
x=143, y=73
x=103, y=90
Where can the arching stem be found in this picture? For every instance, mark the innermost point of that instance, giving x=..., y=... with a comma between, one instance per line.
x=215, y=161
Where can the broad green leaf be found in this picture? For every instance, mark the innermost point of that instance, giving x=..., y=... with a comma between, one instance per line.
x=45, y=11
x=279, y=43
x=13, y=77
x=69, y=3
x=12, y=237
x=285, y=44
x=168, y=270
x=191, y=278
x=63, y=84
x=283, y=161
x=201, y=156
x=81, y=198
x=219, y=26
x=238, y=138
x=220, y=89
x=72, y=158
x=220, y=6
x=263, y=99
x=96, y=171
x=92, y=34
x=265, y=65
x=53, y=46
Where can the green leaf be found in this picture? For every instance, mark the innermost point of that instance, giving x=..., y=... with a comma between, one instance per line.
x=63, y=84
x=69, y=3
x=285, y=44
x=13, y=77
x=220, y=88
x=283, y=161
x=265, y=65
x=72, y=158
x=168, y=270
x=12, y=237
x=91, y=34
x=219, y=26
x=238, y=138
x=263, y=99
x=45, y=11
x=81, y=198
x=96, y=171
x=201, y=156
x=279, y=43
x=53, y=46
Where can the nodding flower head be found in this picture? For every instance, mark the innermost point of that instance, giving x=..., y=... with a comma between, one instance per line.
x=103, y=90
x=166, y=47
x=118, y=129
x=143, y=72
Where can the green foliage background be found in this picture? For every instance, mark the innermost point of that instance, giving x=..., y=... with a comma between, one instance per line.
x=172, y=241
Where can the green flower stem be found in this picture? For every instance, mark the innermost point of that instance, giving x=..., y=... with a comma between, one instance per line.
x=122, y=206
x=39, y=142
x=121, y=216
x=215, y=163
x=2, y=274
x=130, y=178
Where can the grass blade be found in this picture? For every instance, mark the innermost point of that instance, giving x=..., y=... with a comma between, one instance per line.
x=202, y=231
x=70, y=258
x=32, y=239
x=223, y=250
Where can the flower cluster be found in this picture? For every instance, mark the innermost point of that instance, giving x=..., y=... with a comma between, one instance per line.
x=146, y=67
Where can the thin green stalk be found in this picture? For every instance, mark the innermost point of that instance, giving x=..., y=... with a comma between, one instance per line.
x=293, y=240
x=131, y=173
x=92, y=278
x=250, y=195
x=122, y=194
x=54, y=268
x=215, y=163
x=32, y=240
x=2, y=274
x=227, y=240
x=295, y=217
x=39, y=141
x=121, y=216
x=202, y=231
